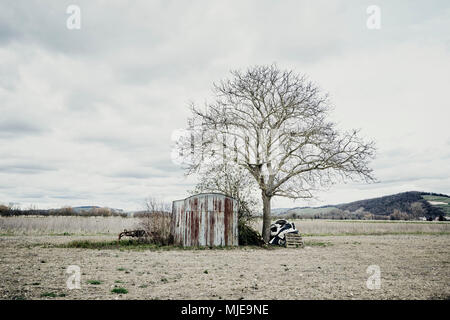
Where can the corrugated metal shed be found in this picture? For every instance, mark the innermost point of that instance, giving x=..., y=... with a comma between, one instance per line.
x=207, y=219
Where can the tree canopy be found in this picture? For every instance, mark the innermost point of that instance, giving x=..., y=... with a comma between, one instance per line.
x=274, y=124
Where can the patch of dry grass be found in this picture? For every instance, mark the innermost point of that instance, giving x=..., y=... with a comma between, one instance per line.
x=58, y=225
x=365, y=227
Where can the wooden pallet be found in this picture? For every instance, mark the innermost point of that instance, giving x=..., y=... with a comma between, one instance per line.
x=294, y=240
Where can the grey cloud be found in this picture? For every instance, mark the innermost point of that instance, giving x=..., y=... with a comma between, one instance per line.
x=31, y=196
x=124, y=137
x=413, y=178
x=25, y=168
x=42, y=24
x=103, y=28
x=16, y=128
x=139, y=74
x=206, y=30
x=111, y=141
x=83, y=100
x=70, y=196
x=6, y=33
x=166, y=166
x=9, y=76
x=137, y=174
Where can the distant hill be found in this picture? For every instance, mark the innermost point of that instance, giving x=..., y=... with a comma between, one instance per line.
x=405, y=205
x=278, y=211
x=84, y=208
x=90, y=208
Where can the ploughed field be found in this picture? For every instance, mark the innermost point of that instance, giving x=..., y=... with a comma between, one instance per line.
x=413, y=259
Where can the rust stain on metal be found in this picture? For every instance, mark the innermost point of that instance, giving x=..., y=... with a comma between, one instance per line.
x=212, y=226
x=226, y=221
x=208, y=219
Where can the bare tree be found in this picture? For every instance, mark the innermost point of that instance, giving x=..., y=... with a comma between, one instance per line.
x=417, y=209
x=155, y=205
x=273, y=123
x=233, y=181
x=156, y=221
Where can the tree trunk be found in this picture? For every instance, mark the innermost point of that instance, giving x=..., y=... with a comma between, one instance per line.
x=266, y=217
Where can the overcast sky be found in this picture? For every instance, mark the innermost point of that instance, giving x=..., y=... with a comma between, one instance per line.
x=86, y=115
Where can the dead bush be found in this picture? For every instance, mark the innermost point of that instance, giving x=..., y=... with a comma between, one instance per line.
x=157, y=226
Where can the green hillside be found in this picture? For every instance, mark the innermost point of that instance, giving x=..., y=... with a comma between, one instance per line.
x=401, y=206
x=444, y=204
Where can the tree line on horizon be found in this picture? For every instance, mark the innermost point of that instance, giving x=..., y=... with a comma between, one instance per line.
x=11, y=210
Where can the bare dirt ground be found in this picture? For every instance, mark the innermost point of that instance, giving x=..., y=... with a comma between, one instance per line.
x=329, y=267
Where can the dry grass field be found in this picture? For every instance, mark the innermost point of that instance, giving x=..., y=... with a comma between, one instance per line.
x=413, y=258
x=58, y=225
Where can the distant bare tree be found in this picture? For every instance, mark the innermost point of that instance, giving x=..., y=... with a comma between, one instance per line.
x=153, y=204
x=417, y=209
x=273, y=123
x=399, y=215
x=156, y=221
x=233, y=181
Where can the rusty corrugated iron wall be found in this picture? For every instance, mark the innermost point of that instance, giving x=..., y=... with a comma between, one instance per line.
x=207, y=219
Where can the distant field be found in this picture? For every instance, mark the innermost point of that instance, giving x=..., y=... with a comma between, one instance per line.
x=56, y=225
x=365, y=227
x=312, y=210
x=437, y=198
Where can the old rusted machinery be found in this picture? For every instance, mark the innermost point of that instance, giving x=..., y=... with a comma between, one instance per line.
x=133, y=233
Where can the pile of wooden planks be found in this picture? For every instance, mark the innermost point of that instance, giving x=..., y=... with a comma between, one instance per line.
x=294, y=240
